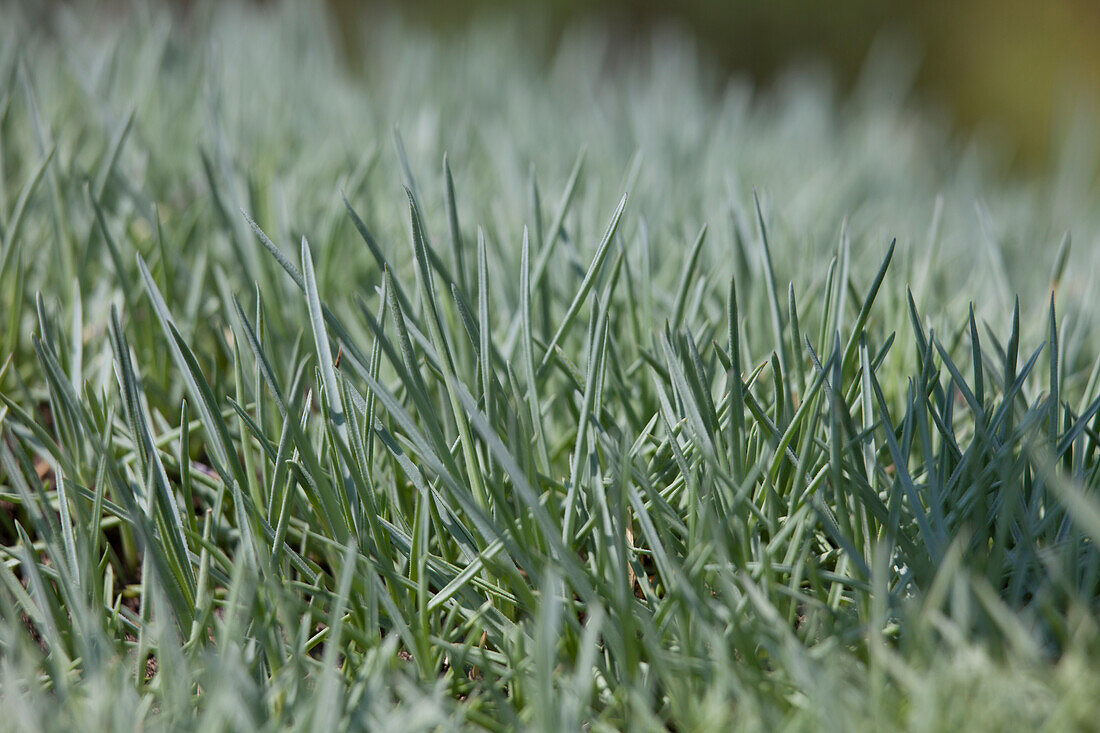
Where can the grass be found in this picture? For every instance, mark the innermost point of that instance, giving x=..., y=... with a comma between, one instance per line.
x=661, y=405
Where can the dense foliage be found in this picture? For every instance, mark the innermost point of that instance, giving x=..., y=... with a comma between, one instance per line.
x=663, y=404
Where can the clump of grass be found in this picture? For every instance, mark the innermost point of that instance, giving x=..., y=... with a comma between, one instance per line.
x=527, y=443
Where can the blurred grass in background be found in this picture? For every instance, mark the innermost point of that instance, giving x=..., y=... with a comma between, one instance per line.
x=1012, y=69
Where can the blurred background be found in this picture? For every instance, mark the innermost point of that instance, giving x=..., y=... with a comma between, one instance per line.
x=1017, y=71
x=1012, y=70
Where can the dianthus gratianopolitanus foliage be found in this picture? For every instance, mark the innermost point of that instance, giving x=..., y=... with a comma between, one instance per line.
x=448, y=388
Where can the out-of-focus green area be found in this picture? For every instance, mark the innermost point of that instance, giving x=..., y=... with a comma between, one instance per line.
x=1013, y=67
